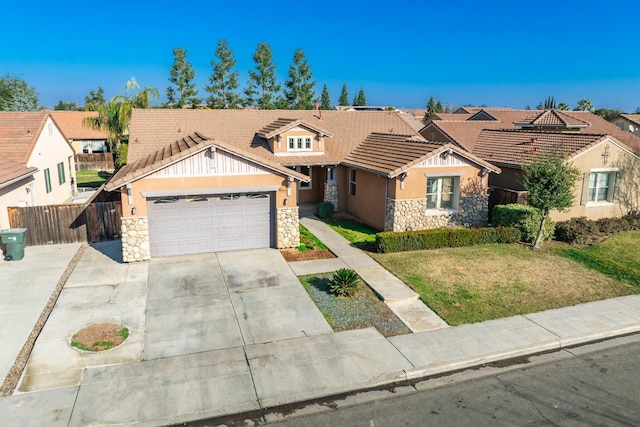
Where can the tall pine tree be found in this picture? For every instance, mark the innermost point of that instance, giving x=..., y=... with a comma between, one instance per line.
x=181, y=75
x=344, y=96
x=299, y=93
x=262, y=89
x=431, y=108
x=224, y=81
x=360, y=99
x=325, y=99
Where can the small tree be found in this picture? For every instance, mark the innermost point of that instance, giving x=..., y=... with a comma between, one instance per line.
x=431, y=108
x=325, y=99
x=344, y=95
x=563, y=106
x=549, y=182
x=584, y=105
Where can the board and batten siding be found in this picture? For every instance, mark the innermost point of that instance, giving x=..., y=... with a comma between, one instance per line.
x=210, y=163
x=437, y=161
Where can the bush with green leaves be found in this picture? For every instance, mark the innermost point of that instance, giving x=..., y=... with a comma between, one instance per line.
x=583, y=231
x=325, y=210
x=525, y=218
x=390, y=241
x=344, y=282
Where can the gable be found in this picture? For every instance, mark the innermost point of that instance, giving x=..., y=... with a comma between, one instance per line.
x=452, y=159
x=482, y=116
x=211, y=162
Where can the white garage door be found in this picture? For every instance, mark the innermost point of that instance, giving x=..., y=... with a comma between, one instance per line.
x=197, y=224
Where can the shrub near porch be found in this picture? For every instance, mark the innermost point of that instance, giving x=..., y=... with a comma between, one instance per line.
x=473, y=284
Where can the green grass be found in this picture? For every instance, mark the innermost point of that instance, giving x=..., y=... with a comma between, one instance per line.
x=363, y=310
x=355, y=232
x=80, y=346
x=309, y=241
x=473, y=284
x=91, y=178
x=618, y=257
x=124, y=333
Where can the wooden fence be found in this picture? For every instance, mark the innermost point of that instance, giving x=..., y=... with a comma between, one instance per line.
x=97, y=161
x=503, y=196
x=91, y=223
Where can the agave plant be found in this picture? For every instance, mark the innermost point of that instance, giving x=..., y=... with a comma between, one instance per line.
x=344, y=282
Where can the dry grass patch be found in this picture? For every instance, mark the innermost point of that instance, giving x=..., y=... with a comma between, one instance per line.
x=472, y=284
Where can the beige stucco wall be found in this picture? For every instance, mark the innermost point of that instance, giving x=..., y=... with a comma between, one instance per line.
x=15, y=195
x=315, y=193
x=205, y=183
x=624, y=124
x=369, y=202
x=50, y=149
x=415, y=184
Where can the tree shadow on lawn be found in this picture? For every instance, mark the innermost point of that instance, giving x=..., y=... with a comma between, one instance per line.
x=321, y=284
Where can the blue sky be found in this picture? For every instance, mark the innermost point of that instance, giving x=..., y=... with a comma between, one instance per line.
x=500, y=53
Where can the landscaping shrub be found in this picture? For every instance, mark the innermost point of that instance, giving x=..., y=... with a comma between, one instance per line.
x=344, y=282
x=525, y=218
x=390, y=241
x=325, y=210
x=583, y=231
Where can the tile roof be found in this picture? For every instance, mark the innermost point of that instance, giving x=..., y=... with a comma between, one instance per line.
x=11, y=171
x=283, y=125
x=19, y=132
x=391, y=154
x=632, y=117
x=152, y=129
x=510, y=147
x=464, y=134
x=180, y=149
x=553, y=118
x=70, y=123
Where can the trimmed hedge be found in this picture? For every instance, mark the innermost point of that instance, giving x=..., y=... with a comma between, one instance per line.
x=389, y=241
x=583, y=231
x=325, y=210
x=525, y=218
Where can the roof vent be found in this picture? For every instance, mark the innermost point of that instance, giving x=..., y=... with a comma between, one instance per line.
x=28, y=132
x=534, y=140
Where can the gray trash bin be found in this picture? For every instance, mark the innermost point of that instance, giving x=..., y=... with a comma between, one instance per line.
x=15, y=240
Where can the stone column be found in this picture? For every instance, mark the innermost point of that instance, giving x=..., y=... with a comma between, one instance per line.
x=287, y=228
x=331, y=194
x=135, y=239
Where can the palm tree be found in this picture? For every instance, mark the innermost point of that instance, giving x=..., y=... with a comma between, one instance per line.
x=113, y=117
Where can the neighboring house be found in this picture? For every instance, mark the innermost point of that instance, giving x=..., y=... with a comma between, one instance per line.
x=37, y=166
x=628, y=122
x=207, y=180
x=597, y=148
x=90, y=145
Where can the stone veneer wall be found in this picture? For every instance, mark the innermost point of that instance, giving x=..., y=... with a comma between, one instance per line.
x=331, y=194
x=287, y=228
x=405, y=215
x=135, y=239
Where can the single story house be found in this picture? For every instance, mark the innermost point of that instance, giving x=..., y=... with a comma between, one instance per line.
x=37, y=165
x=207, y=180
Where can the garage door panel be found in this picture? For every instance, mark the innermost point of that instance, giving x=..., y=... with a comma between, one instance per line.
x=210, y=223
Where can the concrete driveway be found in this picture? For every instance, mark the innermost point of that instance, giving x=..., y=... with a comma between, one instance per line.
x=214, y=301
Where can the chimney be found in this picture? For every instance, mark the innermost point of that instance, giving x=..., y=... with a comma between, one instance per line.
x=319, y=113
x=316, y=106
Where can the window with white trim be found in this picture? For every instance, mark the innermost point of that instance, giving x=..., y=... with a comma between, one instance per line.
x=601, y=186
x=299, y=143
x=61, y=177
x=47, y=180
x=441, y=192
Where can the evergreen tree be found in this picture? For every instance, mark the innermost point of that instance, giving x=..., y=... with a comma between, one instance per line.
x=16, y=95
x=439, y=107
x=360, y=100
x=223, y=80
x=94, y=100
x=325, y=99
x=344, y=96
x=431, y=108
x=262, y=88
x=299, y=92
x=66, y=106
x=181, y=75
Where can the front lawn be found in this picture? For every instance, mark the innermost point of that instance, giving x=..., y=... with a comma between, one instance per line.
x=91, y=178
x=354, y=231
x=346, y=313
x=473, y=284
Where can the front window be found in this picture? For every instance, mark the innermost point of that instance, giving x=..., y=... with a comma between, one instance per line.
x=299, y=143
x=440, y=193
x=601, y=186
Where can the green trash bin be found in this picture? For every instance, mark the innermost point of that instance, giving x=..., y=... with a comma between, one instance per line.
x=15, y=240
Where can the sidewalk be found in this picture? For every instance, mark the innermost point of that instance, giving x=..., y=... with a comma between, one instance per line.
x=254, y=377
